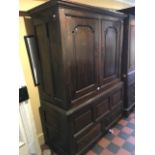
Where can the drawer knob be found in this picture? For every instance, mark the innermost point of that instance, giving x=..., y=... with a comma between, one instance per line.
x=98, y=88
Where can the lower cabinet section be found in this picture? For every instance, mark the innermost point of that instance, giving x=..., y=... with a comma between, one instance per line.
x=129, y=93
x=117, y=112
x=102, y=108
x=82, y=118
x=72, y=132
x=88, y=137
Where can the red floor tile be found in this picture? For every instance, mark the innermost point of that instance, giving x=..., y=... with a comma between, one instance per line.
x=118, y=141
x=90, y=153
x=123, y=152
x=127, y=130
x=115, y=131
x=104, y=142
x=106, y=152
x=123, y=122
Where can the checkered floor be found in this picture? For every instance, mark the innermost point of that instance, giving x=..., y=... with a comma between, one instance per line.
x=121, y=140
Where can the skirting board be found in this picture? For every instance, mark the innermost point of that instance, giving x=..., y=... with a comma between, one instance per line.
x=41, y=139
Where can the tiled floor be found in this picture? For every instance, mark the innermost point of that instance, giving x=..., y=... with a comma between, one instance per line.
x=121, y=140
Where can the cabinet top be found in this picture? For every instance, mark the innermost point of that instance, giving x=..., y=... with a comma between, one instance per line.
x=75, y=5
x=130, y=11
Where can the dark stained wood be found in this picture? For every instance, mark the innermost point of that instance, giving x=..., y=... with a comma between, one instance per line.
x=73, y=131
x=111, y=49
x=82, y=119
x=102, y=108
x=85, y=139
x=81, y=91
x=23, y=13
x=131, y=56
x=128, y=62
x=130, y=11
x=80, y=54
x=76, y=6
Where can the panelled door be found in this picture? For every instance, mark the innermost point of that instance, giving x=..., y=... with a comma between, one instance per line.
x=82, y=50
x=110, y=51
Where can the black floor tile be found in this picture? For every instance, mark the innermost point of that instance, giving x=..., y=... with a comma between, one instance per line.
x=109, y=136
x=131, y=125
x=113, y=148
x=119, y=126
x=123, y=135
x=97, y=149
x=128, y=146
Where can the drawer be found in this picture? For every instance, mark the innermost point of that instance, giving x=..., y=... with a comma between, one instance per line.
x=87, y=138
x=117, y=112
x=109, y=120
x=82, y=119
x=106, y=121
x=116, y=98
x=102, y=108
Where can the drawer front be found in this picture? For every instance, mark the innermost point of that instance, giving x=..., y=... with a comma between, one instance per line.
x=87, y=138
x=116, y=98
x=106, y=121
x=82, y=119
x=102, y=108
x=117, y=112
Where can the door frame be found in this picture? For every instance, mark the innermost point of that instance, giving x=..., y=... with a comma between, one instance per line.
x=27, y=124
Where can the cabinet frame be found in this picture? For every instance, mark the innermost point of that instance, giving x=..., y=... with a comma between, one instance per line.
x=64, y=105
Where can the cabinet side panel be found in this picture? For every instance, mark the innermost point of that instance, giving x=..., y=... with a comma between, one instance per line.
x=131, y=49
x=47, y=31
x=56, y=61
x=44, y=55
x=56, y=127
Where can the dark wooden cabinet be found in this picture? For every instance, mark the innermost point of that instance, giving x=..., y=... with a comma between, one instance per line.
x=128, y=60
x=81, y=91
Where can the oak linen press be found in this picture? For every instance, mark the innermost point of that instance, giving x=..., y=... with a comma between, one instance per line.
x=81, y=91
